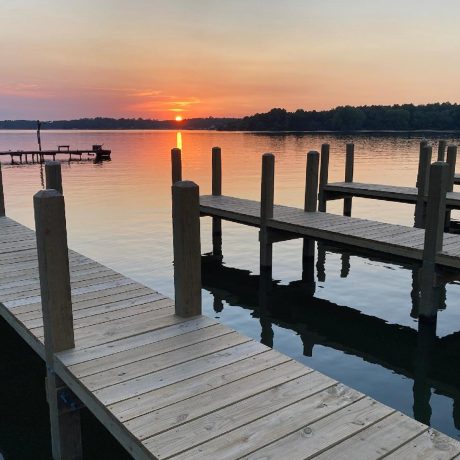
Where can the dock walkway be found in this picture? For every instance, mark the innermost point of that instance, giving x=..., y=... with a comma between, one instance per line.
x=168, y=387
x=383, y=192
x=391, y=239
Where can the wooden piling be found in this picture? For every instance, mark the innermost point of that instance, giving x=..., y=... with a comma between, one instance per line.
x=2, y=197
x=426, y=153
x=266, y=209
x=434, y=232
x=311, y=182
x=349, y=167
x=442, y=150
x=323, y=177
x=187, y=250
x=216, y=191
x=176, y=165
x=310, y=205
x=53, y=264
x=452, y=162
x=423, y=143
x=53, y=175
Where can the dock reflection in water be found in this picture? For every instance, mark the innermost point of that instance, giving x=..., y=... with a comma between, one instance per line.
x=428, y=360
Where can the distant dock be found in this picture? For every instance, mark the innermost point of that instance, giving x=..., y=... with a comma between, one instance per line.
x=39, y=156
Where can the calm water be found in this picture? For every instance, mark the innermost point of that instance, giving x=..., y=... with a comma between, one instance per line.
x=353, y=323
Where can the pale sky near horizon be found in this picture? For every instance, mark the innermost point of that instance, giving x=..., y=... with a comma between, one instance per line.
x=156, y=59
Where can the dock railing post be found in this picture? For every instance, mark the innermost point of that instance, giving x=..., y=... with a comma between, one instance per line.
x=216, y=191
x=310, y=205
x=323, y=177
x=53, y=175
x=442, y=150
x=187, y=249
x=349, y=167
x=452, y=162
x=2, y=197
x=426, y=153
x=53, y=264
x=176, y=165
x=434, y=232
x=267, y=193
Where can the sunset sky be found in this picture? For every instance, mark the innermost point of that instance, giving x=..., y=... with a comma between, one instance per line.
x=159, y=59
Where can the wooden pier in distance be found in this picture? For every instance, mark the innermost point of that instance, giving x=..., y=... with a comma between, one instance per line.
x=63, y=150
x=166, y=381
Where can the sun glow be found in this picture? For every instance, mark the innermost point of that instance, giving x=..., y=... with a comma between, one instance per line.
x=179, y=118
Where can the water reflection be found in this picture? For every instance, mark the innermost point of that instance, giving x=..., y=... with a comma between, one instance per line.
x=179, y=140
x=400, y=349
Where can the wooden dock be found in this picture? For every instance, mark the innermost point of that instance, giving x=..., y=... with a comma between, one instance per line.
x=166, y=381
x=41, y=155
x=413, y=195
x=390, y=239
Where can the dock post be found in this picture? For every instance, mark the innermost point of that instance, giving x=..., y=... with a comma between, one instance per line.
x=53, y=264
x=53, y=175
x=420, y=172
x=176, y=165
x=266, y=210
x=442, y=150
x=349, y=166
x=2, y=197
x=323, y=177
x=434, y=232
x=216, y=191
x=452, y=162
x=187, y=250
x=426, y=153
x=310, y=205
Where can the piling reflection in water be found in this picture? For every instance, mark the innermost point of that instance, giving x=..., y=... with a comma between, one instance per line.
x=400, y=349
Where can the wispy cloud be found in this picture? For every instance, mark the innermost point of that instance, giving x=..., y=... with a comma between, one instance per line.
x=25, y=90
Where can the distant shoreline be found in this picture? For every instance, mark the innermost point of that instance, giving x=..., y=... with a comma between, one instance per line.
x=362, y=131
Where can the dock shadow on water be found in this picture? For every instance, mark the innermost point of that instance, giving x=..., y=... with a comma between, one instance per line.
x=416, y=355
x=24, y=420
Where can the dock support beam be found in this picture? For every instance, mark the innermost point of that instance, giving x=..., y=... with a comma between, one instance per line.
x=216, y=191
x=434, y=232
x=423, y=179
x=323, y=177
x=187, y=248
x=2, y=197
x=176, y=165
x=53, y=264
x=53, y=175
x=310, y=205
x=267, y=193
x=349, y=166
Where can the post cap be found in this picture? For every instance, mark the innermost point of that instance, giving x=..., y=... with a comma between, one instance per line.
x=185, y=184
x=48, y=193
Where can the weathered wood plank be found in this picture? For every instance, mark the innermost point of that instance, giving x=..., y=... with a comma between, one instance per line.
x=178, y=373
x=147, y=365
x=244, y=428
x=158, y=398
x=185, y=411
x=376, y=441
x=430, y=444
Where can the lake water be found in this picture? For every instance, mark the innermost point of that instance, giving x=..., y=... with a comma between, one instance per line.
x=353, y=323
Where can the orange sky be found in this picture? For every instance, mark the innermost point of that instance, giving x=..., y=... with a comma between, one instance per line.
x=158, y=59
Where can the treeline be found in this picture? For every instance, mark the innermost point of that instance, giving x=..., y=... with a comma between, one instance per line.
x=407, y=117
x=119, y=123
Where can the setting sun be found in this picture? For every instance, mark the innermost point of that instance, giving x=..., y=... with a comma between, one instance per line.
x=179, y=118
